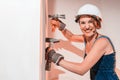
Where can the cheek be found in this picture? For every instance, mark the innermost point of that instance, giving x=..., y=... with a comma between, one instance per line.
x=82, y=29
x=81, y=26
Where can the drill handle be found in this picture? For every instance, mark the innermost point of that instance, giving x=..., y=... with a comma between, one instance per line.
x=48, y=62
x=48, y=65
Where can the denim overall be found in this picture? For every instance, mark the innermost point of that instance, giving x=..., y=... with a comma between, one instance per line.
x=104, y=68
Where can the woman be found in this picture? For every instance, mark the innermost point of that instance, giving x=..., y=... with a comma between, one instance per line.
x=99, y=55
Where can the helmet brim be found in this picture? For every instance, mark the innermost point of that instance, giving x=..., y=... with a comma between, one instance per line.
x=94, y=16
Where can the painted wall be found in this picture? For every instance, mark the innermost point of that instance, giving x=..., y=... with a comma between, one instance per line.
x=110, y=13
x=19, y=39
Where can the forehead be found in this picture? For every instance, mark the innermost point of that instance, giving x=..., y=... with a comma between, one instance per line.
x=82, y=18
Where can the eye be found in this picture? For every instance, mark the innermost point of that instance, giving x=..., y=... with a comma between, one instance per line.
x=82, y=22
x=90, y=21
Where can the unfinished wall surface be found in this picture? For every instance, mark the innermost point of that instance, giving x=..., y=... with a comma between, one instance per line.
x=110, y=27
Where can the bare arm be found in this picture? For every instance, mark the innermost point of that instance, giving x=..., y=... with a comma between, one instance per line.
x=69, y=35
x=72, y=37
x=93, y=56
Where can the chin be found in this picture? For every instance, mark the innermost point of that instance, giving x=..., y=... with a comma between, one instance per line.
x=89, y=35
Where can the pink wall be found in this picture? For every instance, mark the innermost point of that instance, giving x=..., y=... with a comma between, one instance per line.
x=70, y=50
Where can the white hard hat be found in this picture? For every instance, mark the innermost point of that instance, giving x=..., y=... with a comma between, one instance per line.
x=88, y=9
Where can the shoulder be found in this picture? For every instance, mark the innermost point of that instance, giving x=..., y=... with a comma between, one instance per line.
x=102, y=41
x=103, y=38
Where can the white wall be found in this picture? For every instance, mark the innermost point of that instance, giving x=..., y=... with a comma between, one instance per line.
x=19, y=39
x=110, y=27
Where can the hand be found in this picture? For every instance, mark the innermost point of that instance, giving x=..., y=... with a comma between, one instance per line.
x=56, y=23
x=54, y=57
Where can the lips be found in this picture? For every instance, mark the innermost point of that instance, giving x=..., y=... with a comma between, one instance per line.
x=88, y=30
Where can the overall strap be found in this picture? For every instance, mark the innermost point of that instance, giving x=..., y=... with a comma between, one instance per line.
x=102, y=36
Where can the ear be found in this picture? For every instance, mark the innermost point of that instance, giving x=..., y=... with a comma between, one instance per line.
x=98, y=24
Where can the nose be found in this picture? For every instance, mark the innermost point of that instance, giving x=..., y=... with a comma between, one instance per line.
x=87, y=26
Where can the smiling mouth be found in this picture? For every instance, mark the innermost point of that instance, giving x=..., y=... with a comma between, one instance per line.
x=87, y=31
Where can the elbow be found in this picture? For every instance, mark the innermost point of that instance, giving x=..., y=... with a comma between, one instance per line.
x=82, y=73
